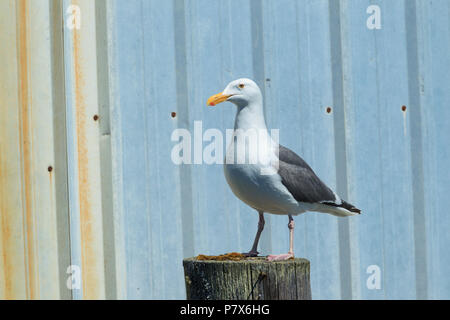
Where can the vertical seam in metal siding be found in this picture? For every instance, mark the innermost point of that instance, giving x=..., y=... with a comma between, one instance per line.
x=258, y=60
x=105, y=149
x=420, y=249
x=61, y=159
x=182, y=100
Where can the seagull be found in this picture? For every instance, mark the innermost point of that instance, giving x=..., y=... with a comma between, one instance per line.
x=268, y=176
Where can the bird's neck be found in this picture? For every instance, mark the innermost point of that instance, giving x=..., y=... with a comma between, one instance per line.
x=250, y=117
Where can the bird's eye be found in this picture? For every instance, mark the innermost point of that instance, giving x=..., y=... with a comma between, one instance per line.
x=241, y=85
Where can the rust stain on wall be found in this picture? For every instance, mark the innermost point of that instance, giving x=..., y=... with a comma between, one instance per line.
x=5, y=187
x=88, y=255
x=8, y=265
x=26, y=145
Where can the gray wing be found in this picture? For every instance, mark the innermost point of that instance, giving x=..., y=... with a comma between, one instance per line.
x=300, y=179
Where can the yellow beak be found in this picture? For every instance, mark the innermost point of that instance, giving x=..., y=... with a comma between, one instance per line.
x=216, y=99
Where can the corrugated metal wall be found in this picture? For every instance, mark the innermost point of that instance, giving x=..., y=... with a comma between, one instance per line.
x=87, y=185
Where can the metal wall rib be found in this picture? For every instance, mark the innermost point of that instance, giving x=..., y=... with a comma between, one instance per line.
x=87, y=115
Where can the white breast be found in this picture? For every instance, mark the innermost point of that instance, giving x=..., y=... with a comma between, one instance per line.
x=257, y=183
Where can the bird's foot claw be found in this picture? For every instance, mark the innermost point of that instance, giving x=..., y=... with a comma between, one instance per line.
x=251, y=254
x=280, y=257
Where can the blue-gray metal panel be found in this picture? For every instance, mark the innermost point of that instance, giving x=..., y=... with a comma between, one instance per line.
x=298, y=63
x=133, y=145
x=395, y=171
x=378, y=149
x=160, y=101
x=151, y=211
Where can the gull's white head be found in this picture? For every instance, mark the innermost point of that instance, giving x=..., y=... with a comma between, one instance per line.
x=241, y=92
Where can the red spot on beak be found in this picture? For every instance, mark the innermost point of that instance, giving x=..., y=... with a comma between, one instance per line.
x=212, y=104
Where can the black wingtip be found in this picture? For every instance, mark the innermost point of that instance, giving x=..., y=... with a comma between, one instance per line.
x=350, y=207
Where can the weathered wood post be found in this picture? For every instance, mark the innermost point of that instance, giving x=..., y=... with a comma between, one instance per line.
x=247, y=279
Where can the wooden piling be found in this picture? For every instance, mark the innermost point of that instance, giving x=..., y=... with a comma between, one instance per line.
x=247, y=279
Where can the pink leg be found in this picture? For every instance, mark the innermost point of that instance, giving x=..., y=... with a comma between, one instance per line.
x=290, y=254
x=253, y=252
